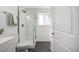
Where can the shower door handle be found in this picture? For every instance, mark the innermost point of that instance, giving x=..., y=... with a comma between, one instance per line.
x=22, y=25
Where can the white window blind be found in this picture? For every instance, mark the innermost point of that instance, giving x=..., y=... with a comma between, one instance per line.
x=44, y=19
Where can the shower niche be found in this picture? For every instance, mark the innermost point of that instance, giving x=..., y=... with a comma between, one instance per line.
x=27, y=27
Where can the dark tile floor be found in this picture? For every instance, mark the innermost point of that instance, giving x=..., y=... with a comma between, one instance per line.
x=40, y=47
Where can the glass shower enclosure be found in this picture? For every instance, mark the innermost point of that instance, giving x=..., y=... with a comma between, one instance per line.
x=27, y=27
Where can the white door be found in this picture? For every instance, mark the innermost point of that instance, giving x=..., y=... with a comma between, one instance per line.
x=26, y=26
x=64, y=29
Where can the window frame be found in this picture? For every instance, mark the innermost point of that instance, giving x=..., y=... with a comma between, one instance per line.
x=43, y=20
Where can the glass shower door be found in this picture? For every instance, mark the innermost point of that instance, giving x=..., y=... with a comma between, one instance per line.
x=26, y=26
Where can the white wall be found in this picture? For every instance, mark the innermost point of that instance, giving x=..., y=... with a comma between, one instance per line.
x=3, y=21
x=43, y=32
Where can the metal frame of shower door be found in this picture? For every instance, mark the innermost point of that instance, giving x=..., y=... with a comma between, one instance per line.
x=35, y=20
x=18, y=26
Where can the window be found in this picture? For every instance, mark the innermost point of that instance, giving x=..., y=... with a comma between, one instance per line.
x=44, y=19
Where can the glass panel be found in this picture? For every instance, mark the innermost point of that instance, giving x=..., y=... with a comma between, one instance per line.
x=28, y=17
x=26, y=32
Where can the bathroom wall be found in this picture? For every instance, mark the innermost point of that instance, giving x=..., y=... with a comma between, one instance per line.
x=43, y=31
x=13, y=10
